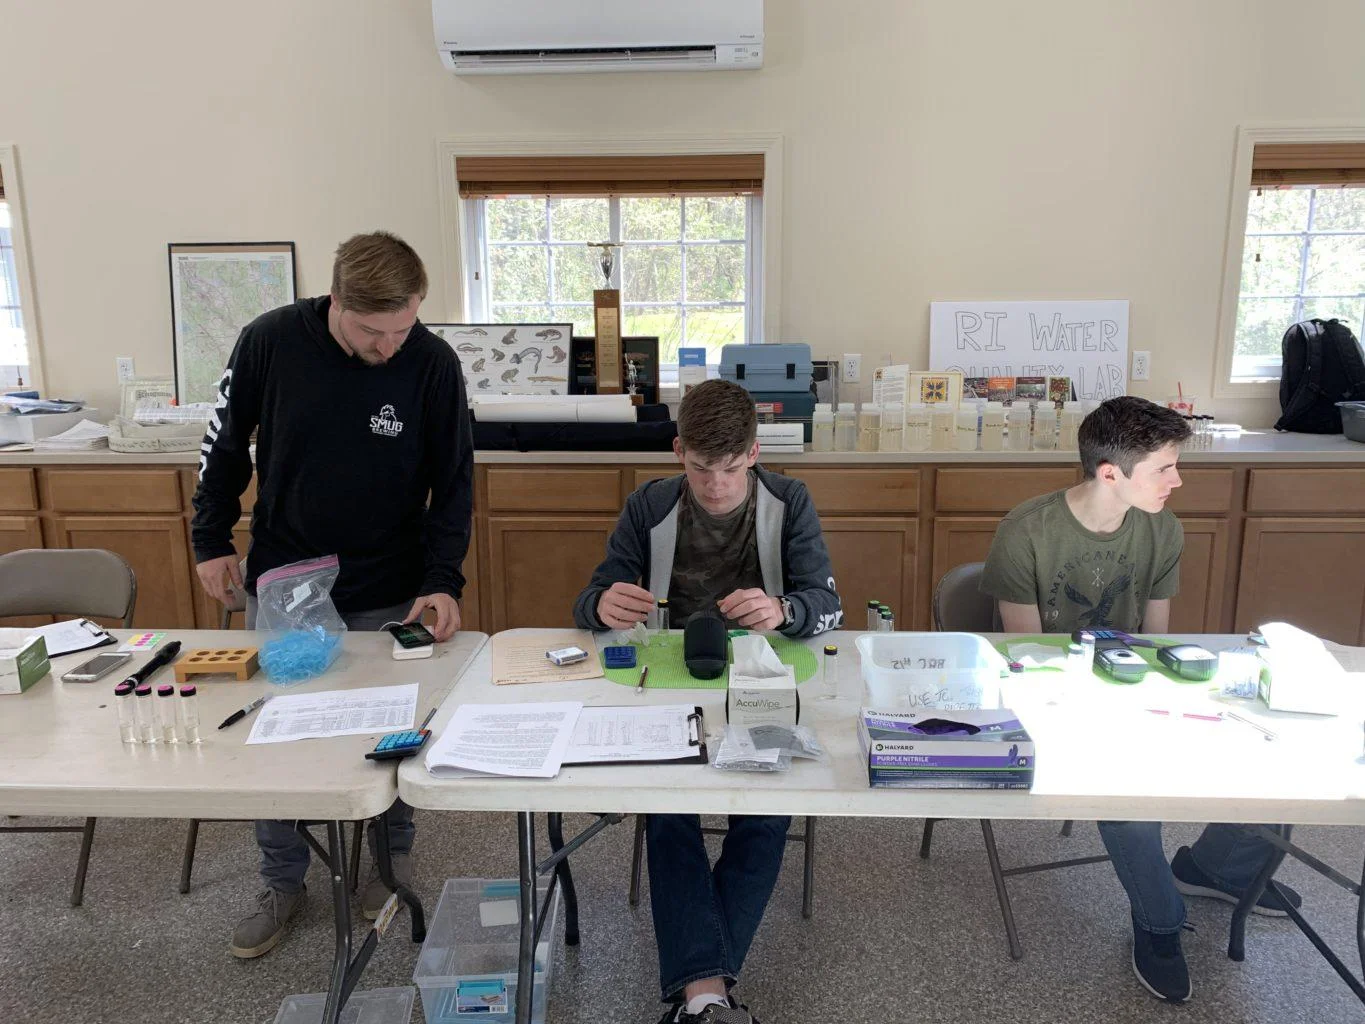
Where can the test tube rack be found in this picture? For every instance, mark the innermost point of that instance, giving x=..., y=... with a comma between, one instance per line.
x=239, y=662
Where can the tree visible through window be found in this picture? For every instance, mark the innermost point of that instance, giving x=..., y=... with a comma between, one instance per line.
x=1304, y=257
x=682, y=271
x=13, y=349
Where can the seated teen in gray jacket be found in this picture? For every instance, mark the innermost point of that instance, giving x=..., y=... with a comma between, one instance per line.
x=727, y=535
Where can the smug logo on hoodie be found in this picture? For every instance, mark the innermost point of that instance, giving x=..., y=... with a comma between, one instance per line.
x=387, y=423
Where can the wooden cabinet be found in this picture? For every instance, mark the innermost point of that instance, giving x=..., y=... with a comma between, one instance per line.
x=1198, y=607
x=550, y=489
x=18, y=492
x=889, y=489
x=997, y=490
x=1340, y=490
x=157, y=549
x=538, y=564
x=1308, y=572
x=874, y=559
x=104, y=491
x=957, y=541
x=1202, y=490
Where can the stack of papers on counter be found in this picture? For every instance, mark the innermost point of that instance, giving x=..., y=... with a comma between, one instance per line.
x=85, y=436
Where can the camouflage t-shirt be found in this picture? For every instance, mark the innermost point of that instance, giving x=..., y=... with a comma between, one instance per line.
x=1080, y=579
x=715, y=555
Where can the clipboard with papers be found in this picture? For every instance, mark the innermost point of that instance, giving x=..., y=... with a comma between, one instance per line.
x=72, y=636
x=644, y=734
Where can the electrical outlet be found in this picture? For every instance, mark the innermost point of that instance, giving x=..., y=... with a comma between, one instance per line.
x=125, y=368
x=851, y=367
x=1142, y=366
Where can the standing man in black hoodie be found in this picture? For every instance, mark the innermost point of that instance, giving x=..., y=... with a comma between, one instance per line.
x=363, y=450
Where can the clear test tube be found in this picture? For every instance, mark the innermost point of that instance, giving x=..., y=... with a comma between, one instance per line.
x=831, y=673
x=188, y=706
x=127, y=715
x=146, y=714
x=663, y=615
x=874, y=616
x=888, y=624
x=165, y=713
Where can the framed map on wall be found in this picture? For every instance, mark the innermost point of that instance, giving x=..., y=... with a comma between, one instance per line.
x=217, y=288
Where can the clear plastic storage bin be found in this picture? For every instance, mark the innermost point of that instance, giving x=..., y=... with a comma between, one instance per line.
x=1353, y=420
x=377, y=1006
x=930, y=670
x=467, y=969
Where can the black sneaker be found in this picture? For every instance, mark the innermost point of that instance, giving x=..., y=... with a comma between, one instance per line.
x=1191, y=881
x=1160, y=965
x=735, y=1013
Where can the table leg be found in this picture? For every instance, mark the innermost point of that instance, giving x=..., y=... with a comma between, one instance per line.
x=384, y=858
x=554, y=828
x=526, y=864
x=341, y=910
x=1237, y=933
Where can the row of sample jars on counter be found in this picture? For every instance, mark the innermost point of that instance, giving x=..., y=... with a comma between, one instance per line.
x=974, y=425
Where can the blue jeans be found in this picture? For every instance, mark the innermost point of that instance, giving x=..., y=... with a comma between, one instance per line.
x=705, y=918
x=1229, y=854
x=284, y=853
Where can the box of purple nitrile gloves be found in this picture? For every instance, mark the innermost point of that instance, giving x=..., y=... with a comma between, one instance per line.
x=980, y=748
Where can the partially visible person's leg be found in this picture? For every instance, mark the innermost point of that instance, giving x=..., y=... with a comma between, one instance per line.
x=1223, y=861
x=689, y=924
x=745, y=875
x=284, y=863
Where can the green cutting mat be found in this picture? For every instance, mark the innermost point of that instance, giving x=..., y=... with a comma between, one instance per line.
x=664, y=656
x=1062, y=640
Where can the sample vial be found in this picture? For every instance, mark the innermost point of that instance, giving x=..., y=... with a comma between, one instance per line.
x=1088, y=649
x=888, y=623
x=1018, y=421
x=146, y=714
x=965, y=432
x=917, y=427
x=822, y=428
x=993, y=427
x=663, y=615
x=127, y=716
x=831, y=673
x=869, y=427
x=1069, y=426
x=1075, y=660
x=189, y=713
x=892, y=437
x=874, y=616
x=1045, y=427
x=165, y=713
x=943, y=427
x=845, y=428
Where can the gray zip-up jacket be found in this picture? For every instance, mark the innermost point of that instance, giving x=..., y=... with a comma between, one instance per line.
x=791, y=551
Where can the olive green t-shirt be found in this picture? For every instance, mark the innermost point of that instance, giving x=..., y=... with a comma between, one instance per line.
x=1080, y=579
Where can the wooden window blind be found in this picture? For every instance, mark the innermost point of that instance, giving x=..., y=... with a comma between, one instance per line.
x=481, y=177
x=1327, y=164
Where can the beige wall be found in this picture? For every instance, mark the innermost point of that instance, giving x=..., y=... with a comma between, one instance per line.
x=989, y=149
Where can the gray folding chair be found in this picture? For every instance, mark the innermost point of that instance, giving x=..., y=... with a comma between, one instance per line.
x=960, y=606
x=84, y=582
x=806, y=838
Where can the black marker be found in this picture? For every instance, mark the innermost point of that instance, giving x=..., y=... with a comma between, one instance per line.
x=165, y=654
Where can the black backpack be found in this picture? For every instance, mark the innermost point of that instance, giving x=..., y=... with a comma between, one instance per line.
x=1322, y=364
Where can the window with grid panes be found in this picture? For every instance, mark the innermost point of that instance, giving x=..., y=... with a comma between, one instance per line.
x=13, y=349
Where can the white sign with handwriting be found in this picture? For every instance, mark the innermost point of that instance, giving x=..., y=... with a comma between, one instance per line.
x=1085, y=340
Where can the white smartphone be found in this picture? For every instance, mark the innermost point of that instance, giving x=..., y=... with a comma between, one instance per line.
x=96, y=668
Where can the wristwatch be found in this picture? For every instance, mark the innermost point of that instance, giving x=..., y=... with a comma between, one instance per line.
x=788, y=615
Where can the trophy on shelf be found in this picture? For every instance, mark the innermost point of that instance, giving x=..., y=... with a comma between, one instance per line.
x=606, y=302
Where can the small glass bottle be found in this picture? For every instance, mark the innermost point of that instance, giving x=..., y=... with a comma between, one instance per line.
x=888, y=624
x=165, y=714
x=965, y=429
x=146, y=714
x=1045, y=427
x=845, y=428
x=1018, y=420
x=1088, y=649
x=663, y=615
x=822, y=428
x=874, y=616
x=831, y=673
x=892, y=438
x=1069, y=426
x=993, y=427
x=944, y=428
x=869, y=427
x=1075, y=660
x=917, y=427
x=188, y=706
x=127, y=714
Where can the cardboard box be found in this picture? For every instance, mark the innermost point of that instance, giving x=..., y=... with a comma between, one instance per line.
x=905, y=749
x=765, y=701
x=23, y=663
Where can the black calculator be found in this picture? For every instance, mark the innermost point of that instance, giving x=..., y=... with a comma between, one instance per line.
x=398, y=745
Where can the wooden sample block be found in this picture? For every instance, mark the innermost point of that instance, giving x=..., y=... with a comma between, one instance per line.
x=239, y=662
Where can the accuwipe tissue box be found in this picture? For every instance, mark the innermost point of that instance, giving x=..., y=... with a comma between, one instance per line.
x=23, y=660
x=762, y=690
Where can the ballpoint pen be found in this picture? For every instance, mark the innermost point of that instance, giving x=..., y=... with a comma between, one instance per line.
x=644, y=674
x=241, y=713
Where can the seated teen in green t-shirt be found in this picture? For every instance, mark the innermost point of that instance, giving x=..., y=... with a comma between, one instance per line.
x=1105, y=554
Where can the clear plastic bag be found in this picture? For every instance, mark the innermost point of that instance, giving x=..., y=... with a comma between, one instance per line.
x=295, y=603
x=765, y=748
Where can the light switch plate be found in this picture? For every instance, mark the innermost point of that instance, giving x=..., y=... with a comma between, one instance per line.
x=125, y=369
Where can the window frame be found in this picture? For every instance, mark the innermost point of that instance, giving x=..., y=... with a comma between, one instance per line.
x=23, y=267
x=477, y=248
x=764, y=294
x=1239, y=202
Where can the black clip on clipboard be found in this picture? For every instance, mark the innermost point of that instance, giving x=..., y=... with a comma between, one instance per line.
x=697, y=739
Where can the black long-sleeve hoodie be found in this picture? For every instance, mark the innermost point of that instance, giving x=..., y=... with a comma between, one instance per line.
x=347, y=455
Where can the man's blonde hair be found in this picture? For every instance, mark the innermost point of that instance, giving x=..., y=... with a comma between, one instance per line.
x=377, y=273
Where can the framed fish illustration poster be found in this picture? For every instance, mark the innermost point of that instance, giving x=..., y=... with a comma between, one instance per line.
x=511, y=359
